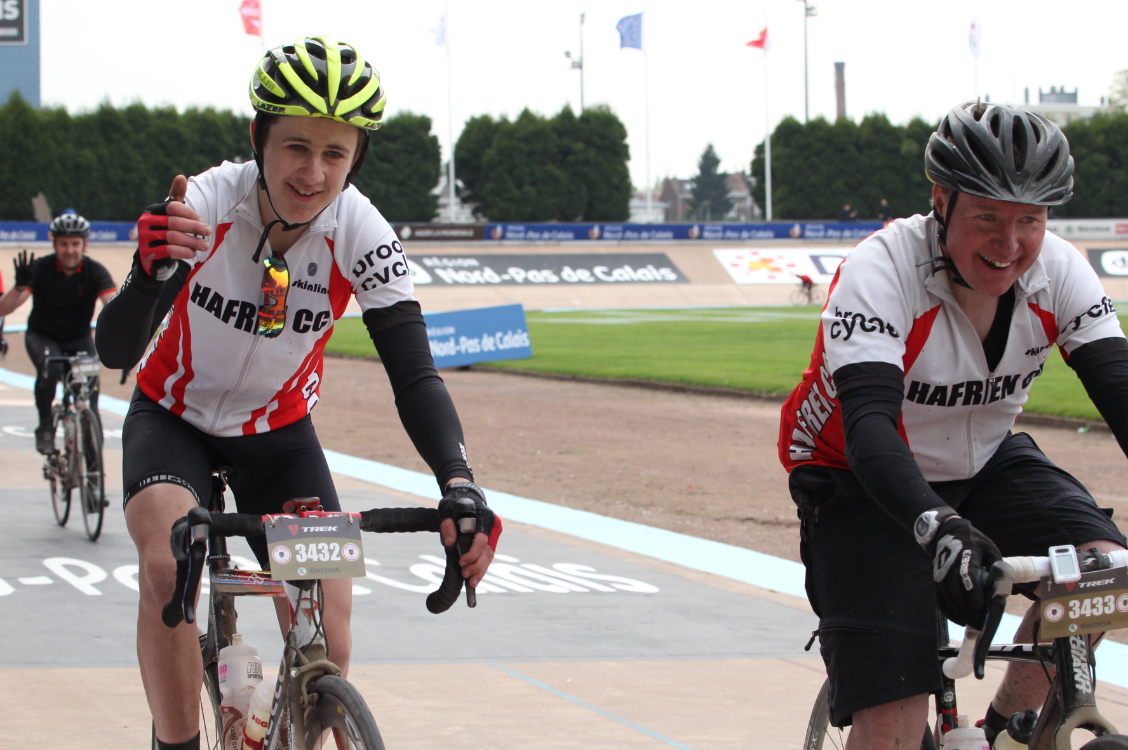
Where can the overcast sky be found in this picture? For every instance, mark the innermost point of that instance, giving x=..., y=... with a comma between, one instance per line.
x=903, y=57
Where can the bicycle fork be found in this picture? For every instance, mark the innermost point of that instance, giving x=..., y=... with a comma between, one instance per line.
x=1072, y=702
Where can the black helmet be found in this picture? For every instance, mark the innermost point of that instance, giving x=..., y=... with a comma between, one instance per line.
x=1004, y=153
x=69, y=225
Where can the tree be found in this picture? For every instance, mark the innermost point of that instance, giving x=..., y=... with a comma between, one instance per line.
x=401, y=169
x=476, y=139
x=1118, y=91
x=1099, y=147
x=710, y=191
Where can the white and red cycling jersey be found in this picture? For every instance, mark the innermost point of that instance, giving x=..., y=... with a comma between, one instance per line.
x=207, y=364
x=886, y=305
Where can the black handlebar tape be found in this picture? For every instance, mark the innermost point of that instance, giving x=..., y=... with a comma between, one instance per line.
x=236, y=524
x=173, y=612
x=451, y=587
x=399, y=520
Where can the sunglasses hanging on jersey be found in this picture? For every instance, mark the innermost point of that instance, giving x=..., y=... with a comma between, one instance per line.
x=275, y=284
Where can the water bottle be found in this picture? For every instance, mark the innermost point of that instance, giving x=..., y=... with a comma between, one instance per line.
x=965, y=736
x=240, y=672
x=1018, y=731
x=258, y=716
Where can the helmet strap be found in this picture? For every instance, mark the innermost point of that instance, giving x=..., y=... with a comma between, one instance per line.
x=945, y=260
x=286, y=226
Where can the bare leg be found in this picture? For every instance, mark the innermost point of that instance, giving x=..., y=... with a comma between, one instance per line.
x=171, y=669
x=1024, y=687
x=890, y=726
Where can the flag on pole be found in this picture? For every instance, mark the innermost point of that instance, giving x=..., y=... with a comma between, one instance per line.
x=763, y=41
x=630, y=31
x=974, y=37
x=252, y=17
x=440, y=32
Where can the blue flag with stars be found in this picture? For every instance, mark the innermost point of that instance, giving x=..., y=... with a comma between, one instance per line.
x=630, y=31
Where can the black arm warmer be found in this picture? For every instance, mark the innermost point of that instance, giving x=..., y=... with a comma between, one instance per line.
x=424, y=405
x=870, y=394
x=1102, y=366
x=128, y=322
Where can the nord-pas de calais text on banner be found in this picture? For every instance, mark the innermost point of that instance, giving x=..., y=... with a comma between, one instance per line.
x=487, y=334
x=775, y=265
x=487, y=269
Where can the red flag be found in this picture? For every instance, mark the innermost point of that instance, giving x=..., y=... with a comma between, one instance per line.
x=252, y=17
x=761, y=42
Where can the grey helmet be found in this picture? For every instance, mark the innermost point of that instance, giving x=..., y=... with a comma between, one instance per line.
x=69, y=225
x=999, y=152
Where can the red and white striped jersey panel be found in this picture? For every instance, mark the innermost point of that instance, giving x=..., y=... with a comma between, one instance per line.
x=208, y=365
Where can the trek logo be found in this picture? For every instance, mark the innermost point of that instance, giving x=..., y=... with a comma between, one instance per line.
x=1090, y=584
x=969, y=392
x=846, y=323
x=386, y=274
x=1081, y=676
x=308, y=529
x=1104, y=307
x=812, y=415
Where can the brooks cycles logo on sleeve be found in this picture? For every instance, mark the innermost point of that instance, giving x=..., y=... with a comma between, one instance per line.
x=969, y=392
x=304, y=548
x=243, y=315
x=1102, y=308
x=847, y=322
x=1097, y=602
x=812, y=415
x=387, y=273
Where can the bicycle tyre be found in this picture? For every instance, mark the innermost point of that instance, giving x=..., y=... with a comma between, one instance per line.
x=340, y=707
x=57, y=476
x=816, y=297
x=822, y=736
x=1108, y=742
x=211, y=721
x=92, y=490
x=797, y=298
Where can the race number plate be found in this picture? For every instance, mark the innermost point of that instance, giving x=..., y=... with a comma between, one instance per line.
x=1098, y=602
x=305, y=548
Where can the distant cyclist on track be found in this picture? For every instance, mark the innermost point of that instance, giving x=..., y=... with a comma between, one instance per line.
x=806, y=285
x=898, y=440
x=63, y=287
x=245, y=269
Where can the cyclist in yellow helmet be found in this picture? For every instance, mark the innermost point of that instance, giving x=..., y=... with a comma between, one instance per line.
x=243, y=270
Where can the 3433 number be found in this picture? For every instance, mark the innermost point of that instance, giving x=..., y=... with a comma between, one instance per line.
x=317, y=552
x=1092, y=607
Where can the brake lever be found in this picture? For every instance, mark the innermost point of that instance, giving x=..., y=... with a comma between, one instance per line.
x=465, y=517
x=1002, y=581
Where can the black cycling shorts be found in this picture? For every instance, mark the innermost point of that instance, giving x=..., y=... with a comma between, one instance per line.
x=267, y=469
x=871, y=584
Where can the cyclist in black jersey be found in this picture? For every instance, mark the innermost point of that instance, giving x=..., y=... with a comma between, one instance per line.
x=63, y=287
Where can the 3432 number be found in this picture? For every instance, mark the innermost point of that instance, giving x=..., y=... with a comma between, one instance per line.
x=1092, y=607
x=320, y=552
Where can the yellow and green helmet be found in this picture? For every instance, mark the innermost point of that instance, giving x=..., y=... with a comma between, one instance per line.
x=317, y=76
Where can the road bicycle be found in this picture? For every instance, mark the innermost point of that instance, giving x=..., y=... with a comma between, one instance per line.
x=803, y=295
x=78, y=464
x=1071, y=701
x=314, y=707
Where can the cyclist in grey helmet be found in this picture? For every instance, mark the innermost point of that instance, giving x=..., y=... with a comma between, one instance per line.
x=907, y=477
x=63, y=287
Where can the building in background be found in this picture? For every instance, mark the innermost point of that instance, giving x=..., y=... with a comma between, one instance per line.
x=19, y=50
x=463, y=212
x=638, y=206
x=744, y=207
x=677, y=195
x=1061, y=106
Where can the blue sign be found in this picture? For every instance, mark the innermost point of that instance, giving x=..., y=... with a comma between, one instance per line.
x=800, y=230
x=100, y=231
x=487, y=334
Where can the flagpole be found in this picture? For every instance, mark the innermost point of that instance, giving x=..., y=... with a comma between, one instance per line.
x=262, y=28
x=450, y=116
x=646, y=109
x=767, y=142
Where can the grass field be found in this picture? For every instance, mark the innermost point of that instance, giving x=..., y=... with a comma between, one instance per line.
x=759, y=349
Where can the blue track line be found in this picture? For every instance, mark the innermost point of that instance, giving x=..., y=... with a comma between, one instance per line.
x=745, y=565
x=597, y=709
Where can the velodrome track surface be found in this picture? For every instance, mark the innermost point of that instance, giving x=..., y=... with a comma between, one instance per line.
x=672, y=657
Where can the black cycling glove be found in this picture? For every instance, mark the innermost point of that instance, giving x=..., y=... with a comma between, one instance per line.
x=488, y=523
x=962, y=557
x=23, y=268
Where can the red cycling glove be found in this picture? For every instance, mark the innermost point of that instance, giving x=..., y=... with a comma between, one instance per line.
x=152, y=241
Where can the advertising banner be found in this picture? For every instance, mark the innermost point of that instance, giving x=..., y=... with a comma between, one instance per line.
x=487, y=334
x=1109, y=261
x=1089, y=229
x=13, y=21
x=100, y=231
x=426, y=232
x=806, y=230
x=484, y=269
x=782, y=265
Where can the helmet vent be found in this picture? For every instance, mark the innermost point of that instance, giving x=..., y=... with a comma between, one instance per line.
x=994, y=122
x=986, y=161
x=1050, y=166
x=1019, y=143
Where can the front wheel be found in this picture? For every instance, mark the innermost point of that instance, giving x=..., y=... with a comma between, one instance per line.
x=339, y=708
x=820, y=734
x=90, y=476
x=1108, y=742
x=56, y=472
